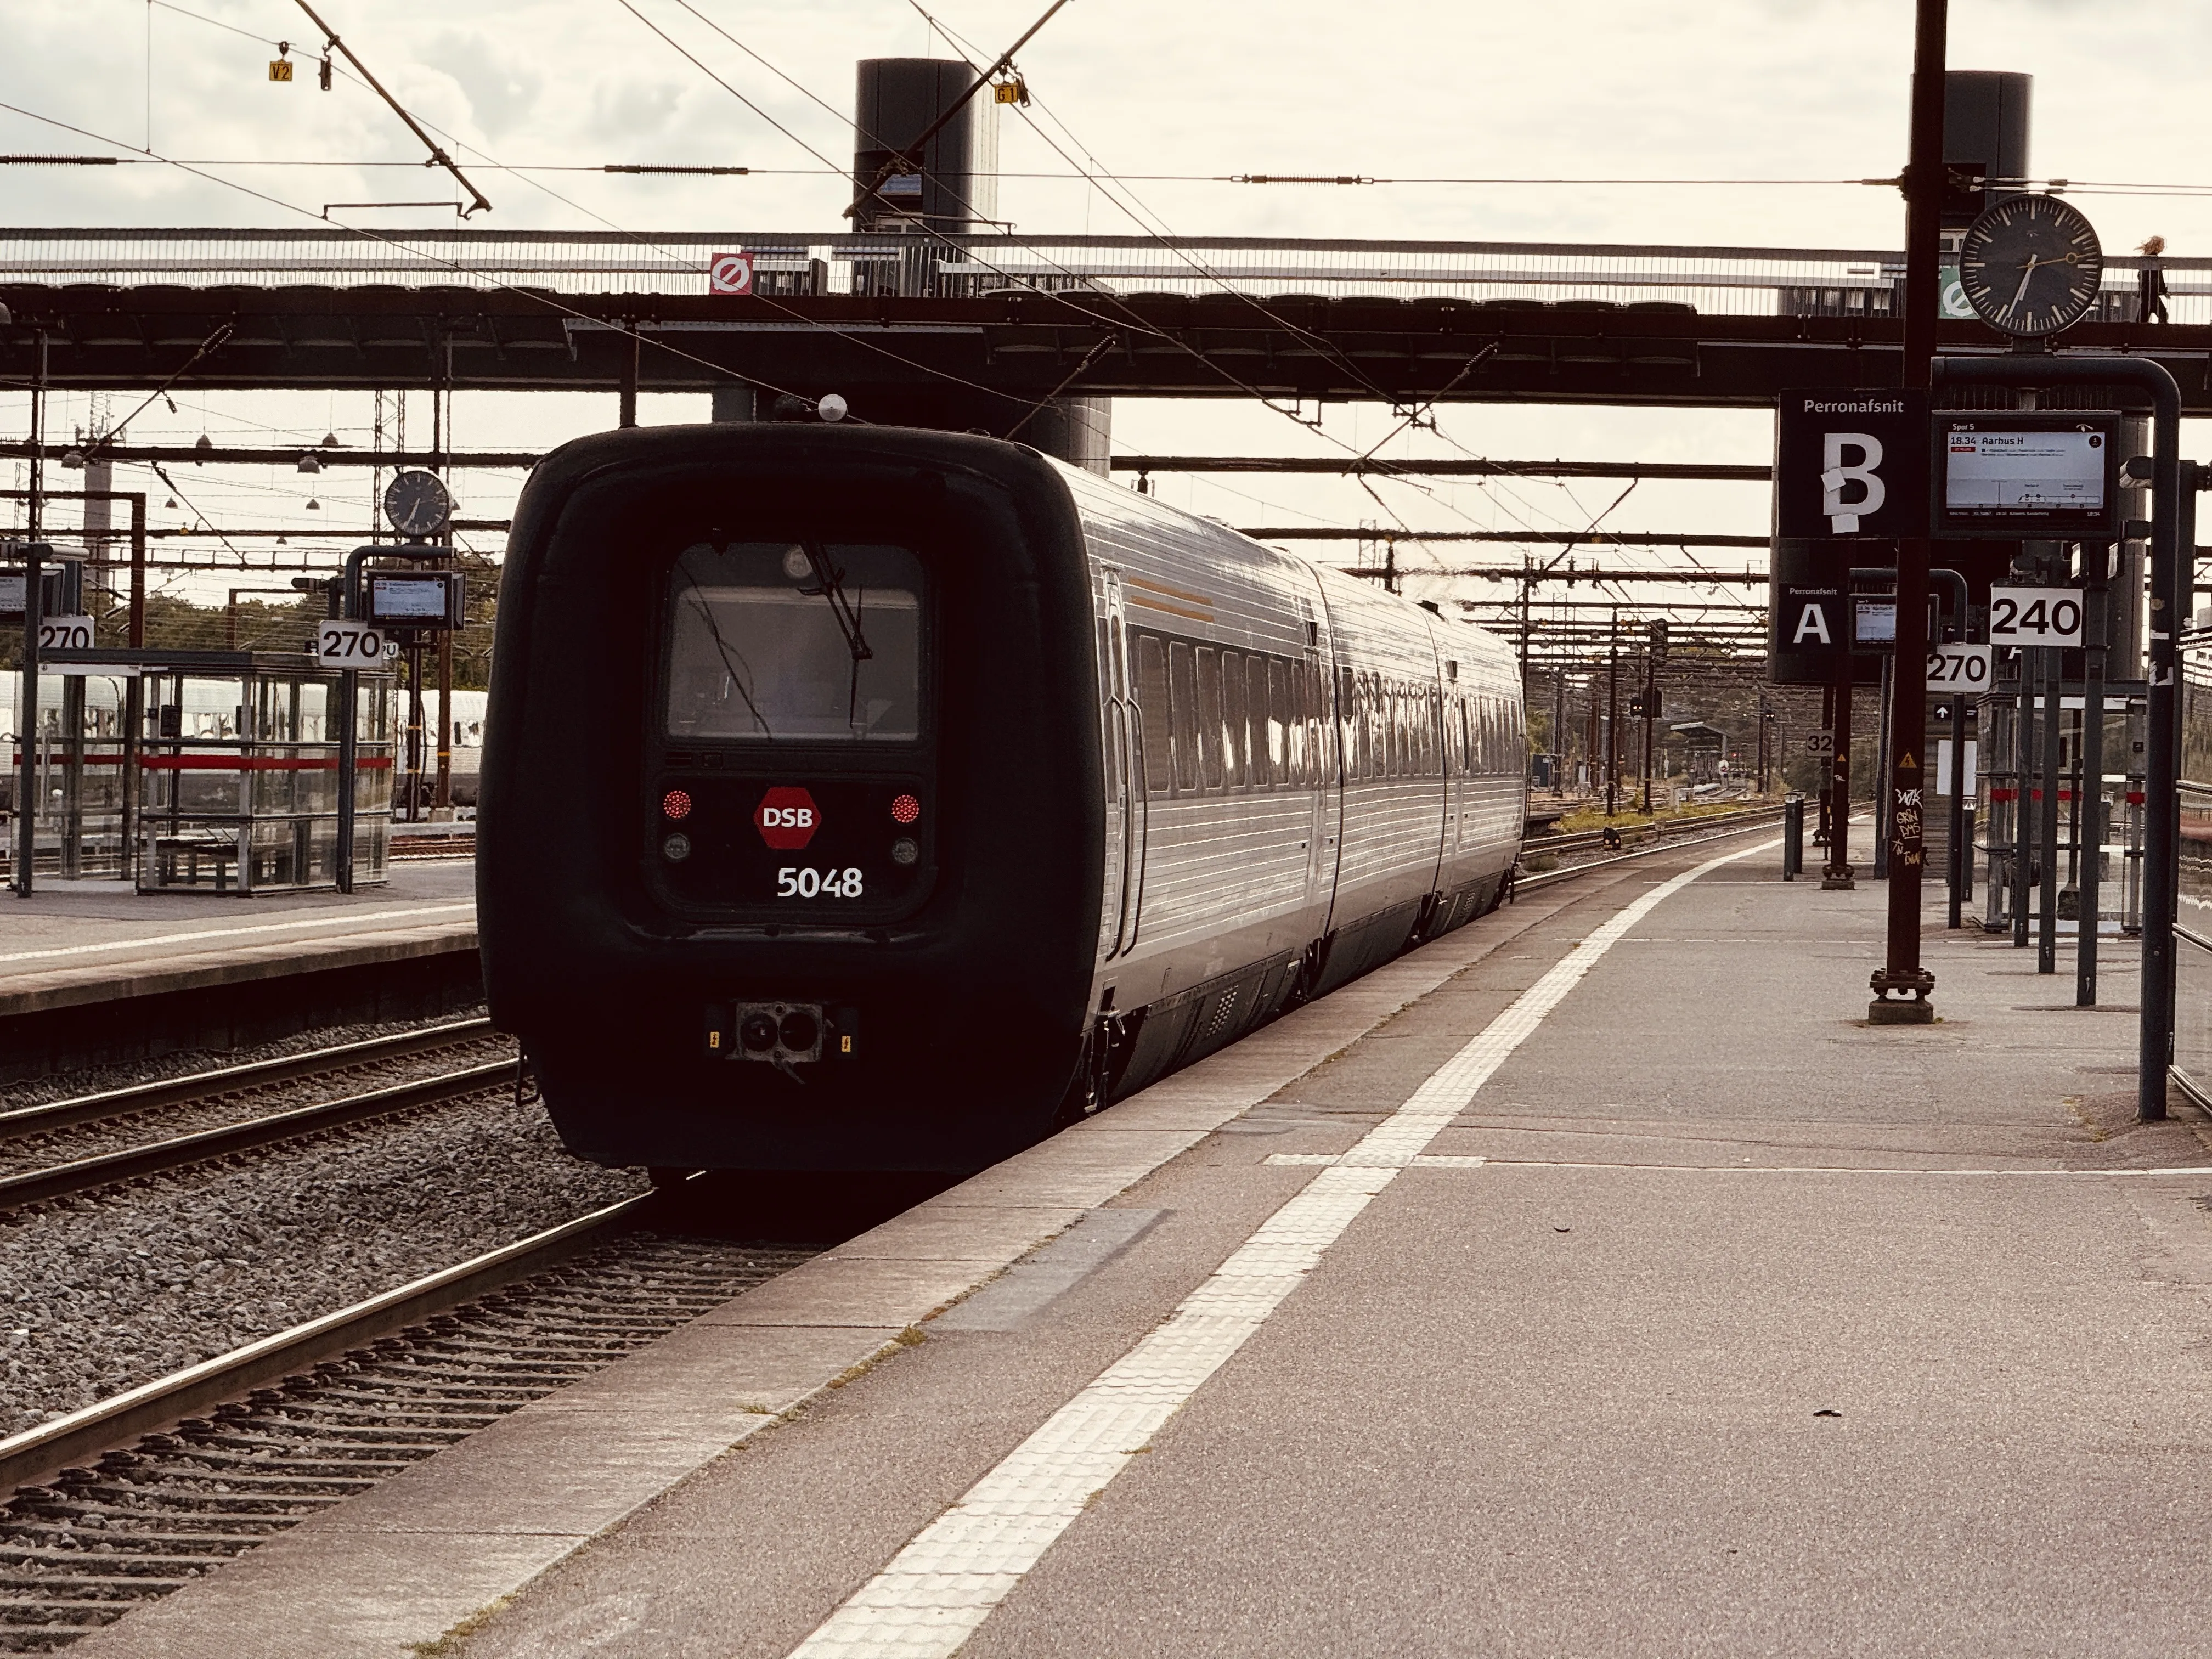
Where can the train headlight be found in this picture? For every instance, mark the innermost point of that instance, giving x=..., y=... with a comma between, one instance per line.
x=676, y=848
x=675, y=805
x=905, y=810
x=757, y=1033
x=905, y=850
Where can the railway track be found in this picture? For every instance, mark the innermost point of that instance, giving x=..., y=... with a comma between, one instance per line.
x=123, y=1502
x=239, y=1084
x=127, y=1500
x=1718, y=827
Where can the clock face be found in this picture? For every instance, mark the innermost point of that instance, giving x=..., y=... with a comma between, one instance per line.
x=2031, y=265
x=417, y=504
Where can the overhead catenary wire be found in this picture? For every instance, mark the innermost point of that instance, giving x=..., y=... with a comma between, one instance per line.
x=659, y=344
x=481, y=205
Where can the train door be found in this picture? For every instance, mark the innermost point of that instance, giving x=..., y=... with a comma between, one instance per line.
x=1123, y=738
x=1455, y=748
x=1325, y=848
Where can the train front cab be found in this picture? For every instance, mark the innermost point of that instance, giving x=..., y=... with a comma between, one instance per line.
x=789, y=847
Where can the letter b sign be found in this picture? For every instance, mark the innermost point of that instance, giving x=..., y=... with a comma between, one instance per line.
x=1850, y=464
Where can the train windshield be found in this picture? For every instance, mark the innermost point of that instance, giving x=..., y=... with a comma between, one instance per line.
x=796, y=641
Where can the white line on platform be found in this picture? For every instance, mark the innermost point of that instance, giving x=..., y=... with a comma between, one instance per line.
x=318, y=919
x=944, y=1584
x=1438, y=1161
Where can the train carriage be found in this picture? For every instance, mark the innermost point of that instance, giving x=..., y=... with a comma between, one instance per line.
x=950, y=792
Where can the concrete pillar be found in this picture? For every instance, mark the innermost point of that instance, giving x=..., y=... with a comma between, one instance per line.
x=1077, y=430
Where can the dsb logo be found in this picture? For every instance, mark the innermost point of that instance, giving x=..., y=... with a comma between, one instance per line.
x=787, y=817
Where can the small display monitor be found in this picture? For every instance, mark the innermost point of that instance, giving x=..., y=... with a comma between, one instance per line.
x=2004, y=476
x=424, y=598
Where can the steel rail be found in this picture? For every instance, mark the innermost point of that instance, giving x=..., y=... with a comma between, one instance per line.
x=108, y=1169
x=33, y=1455
x=1523, y=883
x=1582, y=838
x=203, y=1085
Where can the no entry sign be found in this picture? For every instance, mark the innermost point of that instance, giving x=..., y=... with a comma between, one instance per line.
x=730, y=273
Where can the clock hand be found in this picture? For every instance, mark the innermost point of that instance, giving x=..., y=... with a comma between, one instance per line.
x=2026, y=277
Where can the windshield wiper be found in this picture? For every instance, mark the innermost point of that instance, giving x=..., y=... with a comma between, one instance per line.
x=831, y=587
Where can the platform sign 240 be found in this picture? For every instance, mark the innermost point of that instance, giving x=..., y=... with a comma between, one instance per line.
x=2036, y=616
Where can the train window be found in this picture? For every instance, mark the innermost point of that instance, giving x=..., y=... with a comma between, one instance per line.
x=1235, y=746
x=759, y=648
x=1154, y=720
x=1209, y=715
x=1183, y=692
x=1465, y=741
x=1269, y=690
x=1319, y=735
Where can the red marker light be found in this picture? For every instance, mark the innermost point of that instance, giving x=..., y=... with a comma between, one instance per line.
x=906, y=809
x=676, y=805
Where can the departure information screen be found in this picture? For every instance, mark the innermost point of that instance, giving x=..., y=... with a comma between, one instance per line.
x=2019, y=475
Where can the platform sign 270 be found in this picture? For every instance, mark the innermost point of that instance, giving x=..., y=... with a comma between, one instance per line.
x=2035, y=616
x=64, y=634
x=1959, y=668
x=340, y=644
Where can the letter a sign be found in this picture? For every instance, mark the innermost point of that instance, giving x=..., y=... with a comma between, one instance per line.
x=1850, y=464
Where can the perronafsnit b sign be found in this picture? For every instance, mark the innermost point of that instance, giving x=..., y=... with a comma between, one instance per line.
x=1850, y=465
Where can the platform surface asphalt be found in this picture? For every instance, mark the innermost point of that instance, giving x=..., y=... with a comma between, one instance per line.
x=91, y=939
x=1713, y=1321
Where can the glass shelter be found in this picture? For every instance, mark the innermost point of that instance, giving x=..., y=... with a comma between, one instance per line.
x=205, y=771
x=2010, y=779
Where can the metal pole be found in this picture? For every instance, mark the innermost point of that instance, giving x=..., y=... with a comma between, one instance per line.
x=349, y=742
x=2178, y=589
x=2089, y=796
x=1960, y=854
x=1902, y=986
x=2047, y=829
x=26, y=704
x=1840, y=874
x=1826, y=796
x=1613, y=718
x=1651, y=690
x=137, y=570
x=1884, y=750
x=1559, y=731
x=2023, y=795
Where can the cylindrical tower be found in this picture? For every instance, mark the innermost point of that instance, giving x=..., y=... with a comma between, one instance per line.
x=958, y=187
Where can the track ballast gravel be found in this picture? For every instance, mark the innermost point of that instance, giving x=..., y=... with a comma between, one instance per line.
x=101, y=1292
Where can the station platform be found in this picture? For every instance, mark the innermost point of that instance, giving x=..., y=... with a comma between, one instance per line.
x=78, y=952
x=1596, y=1280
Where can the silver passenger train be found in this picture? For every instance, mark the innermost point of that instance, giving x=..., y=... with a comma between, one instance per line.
x=957, y=792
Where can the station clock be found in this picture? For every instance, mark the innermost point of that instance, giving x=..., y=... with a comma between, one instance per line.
x=2031, y=265
x=415, y=503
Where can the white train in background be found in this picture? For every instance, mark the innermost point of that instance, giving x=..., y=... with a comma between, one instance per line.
x=211, y=711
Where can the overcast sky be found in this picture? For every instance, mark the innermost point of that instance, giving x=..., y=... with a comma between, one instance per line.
x=1726, y=89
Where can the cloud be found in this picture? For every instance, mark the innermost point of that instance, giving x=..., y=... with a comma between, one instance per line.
x=502, y=87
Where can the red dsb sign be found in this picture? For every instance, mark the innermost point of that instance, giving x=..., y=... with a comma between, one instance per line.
x=787, y=817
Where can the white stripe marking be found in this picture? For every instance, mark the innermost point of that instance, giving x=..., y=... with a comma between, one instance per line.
x=945, y=1583
x=1441, y=1161
x=350, y=919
